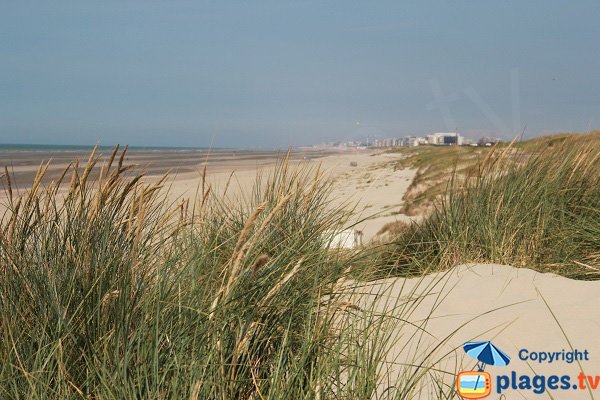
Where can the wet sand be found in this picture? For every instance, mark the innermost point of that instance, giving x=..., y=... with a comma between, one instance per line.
x=365, y=181
x=24, y=164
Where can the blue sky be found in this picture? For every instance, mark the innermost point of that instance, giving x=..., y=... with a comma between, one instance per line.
x=279, y=73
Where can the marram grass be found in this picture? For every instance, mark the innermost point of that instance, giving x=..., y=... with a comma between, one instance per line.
x=108, y=291
x=534, y=205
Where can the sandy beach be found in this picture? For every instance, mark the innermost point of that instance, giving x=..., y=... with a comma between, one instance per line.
x=365, y=182
x=23, y=164
x=306, y=200
x=517, y=308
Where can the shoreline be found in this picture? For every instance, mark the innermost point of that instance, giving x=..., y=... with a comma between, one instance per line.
x=24, y=164
x=365, y=182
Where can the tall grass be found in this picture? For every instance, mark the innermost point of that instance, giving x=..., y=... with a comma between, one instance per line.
x=433, y=165
x=534, y=206
x=109, y=291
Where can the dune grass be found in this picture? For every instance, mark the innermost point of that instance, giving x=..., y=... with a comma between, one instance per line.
x=108, y=291
x=434, y=164
x=534, y=204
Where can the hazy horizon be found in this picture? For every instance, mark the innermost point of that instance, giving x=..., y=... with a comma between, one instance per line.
x=280, y=73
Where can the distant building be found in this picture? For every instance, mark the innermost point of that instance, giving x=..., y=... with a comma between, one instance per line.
x=410, y=141
x=388, y=142
x=421, y=141
x=436, y=139
x=488, y=141
x=445, y=139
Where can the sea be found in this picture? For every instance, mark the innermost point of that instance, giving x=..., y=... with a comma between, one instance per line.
x=59, y=148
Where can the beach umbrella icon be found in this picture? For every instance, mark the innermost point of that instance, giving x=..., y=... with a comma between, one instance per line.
x=486, y=353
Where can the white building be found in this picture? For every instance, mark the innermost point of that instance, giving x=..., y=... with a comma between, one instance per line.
x=445, y=139
x=411, y=141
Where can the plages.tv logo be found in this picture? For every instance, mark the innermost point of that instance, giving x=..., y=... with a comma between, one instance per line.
x=478, y=384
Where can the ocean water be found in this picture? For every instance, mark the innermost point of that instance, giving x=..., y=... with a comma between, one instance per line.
x=45, y=148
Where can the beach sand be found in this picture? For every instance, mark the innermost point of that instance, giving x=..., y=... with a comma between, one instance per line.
x=364, y=180
x=23, y=164
x=365, y=183
x=481, y=302
x=517, y=309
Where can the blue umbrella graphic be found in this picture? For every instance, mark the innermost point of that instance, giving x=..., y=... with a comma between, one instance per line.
x=486, y=353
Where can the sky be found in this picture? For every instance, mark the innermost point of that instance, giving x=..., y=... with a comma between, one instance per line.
x=267, y=74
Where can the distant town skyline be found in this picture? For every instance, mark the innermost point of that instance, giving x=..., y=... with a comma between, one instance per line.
x=273, y=74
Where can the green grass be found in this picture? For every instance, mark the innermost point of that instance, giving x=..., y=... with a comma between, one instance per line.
x=535, y=204
x=107, y=291
x=434, y=165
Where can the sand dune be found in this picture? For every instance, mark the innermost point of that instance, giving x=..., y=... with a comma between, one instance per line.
x=516, y=308
x=431, y=317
